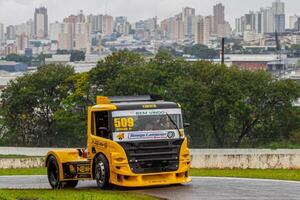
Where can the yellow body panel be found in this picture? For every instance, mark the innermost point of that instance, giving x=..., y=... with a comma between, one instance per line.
x=120, y=172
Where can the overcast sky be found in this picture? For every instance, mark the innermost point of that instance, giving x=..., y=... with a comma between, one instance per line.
x=18, y=11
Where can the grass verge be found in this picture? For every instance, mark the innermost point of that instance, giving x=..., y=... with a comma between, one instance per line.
x=30, y=171
x=86, y=194
x=277, y=174
x=17, y=156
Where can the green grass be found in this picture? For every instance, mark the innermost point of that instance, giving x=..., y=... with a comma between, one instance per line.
x=17, y=156
x=86, y=194
x=30, y=171
x=278, y=174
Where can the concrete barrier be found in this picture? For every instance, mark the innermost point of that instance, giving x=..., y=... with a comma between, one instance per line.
x=246, y=158
x=201, y=158
x=27, y=151
x=17, y=163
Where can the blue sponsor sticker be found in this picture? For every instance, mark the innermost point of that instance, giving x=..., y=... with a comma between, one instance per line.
x=147, y=135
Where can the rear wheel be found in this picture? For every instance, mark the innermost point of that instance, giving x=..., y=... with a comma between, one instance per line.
x=53, y=173
x=101, y=172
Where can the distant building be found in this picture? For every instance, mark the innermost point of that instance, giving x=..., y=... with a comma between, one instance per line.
x=173, y=28
x=22, y=42
x=82, y=34
x=107, y=24
x=95, y=23
x=279, y=16
x=10, y=33
x=58, y=59
x=252, y=61
x=219, y=17
x=188, y=18
x=2, y=36
x=199, y=30
x=293, y=22
x=41, y=23
x=66, y=36
x=11, y=66
x=122, y=26
x=11, y=49
x=268, y=20
x=28, y=52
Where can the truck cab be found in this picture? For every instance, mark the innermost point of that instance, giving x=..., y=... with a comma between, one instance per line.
x=132, y=142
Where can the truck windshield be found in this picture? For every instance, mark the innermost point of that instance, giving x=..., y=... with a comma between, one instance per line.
x=147, y=124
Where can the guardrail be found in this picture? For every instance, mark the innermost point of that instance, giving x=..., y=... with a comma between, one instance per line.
x=201, y=158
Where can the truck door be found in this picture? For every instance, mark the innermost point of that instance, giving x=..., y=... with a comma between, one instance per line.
x=100, y=131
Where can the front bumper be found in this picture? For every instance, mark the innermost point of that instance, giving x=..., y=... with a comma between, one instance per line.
x=146, y=180
x=125, y=178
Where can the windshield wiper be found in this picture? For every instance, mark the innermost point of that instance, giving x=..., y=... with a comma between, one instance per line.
x=176, y=126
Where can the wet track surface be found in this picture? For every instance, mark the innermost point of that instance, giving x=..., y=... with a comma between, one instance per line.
x=199, y=188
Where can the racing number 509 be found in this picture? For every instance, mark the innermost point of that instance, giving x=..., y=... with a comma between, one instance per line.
x=123, y=122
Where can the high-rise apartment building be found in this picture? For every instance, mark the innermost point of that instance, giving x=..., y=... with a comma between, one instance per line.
x=82, y=35
x=258, y=22
x=2, y=36
x=173, y=28
x=95, y=22
x=250, y=20
x=76, y=32
x=278, y=8
x=219, y=17
x=22, y=42
x=293, y=21
x=65, y=37
x=30, y=28
x=208, y=28
x=199, y=29
x=10, y=33
x=107, y=24
x=268, y=20
x=55, y=29
x=41, y=22
x=203, y=30
x=188, y=20
x=121, y=25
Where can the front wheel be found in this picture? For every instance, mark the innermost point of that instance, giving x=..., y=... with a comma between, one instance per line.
x=101, y=172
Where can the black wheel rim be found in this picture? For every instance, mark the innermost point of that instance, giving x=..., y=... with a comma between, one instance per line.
x=100, y=172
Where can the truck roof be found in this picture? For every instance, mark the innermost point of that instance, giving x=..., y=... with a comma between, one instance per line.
x=146, y=105
x=136, y=105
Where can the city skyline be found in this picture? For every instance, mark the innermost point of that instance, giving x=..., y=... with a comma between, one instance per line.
x=57, y=10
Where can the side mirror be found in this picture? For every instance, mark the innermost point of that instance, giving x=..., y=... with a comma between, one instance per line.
x=186, y=125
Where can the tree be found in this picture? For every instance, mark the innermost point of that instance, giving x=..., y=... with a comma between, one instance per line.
x=29, y=104
x=201, y=51
x=107, y=70
x=226, y=107
x=18, y=58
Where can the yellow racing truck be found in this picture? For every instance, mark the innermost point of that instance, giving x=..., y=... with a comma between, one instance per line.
x=131, y=141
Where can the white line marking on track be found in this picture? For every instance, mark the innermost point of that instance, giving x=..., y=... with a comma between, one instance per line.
x=248, y=179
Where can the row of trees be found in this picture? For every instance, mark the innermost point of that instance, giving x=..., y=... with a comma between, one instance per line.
x=40, y=59
x=226, y=107
x=198, y=50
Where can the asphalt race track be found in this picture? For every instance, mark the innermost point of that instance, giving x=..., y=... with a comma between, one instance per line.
x=199, y=188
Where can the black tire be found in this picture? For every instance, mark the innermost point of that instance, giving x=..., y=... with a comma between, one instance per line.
x=101, y=171
x=53, y=173
x=70, y=184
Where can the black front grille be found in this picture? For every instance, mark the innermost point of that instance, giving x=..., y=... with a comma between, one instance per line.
x=153, y=156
